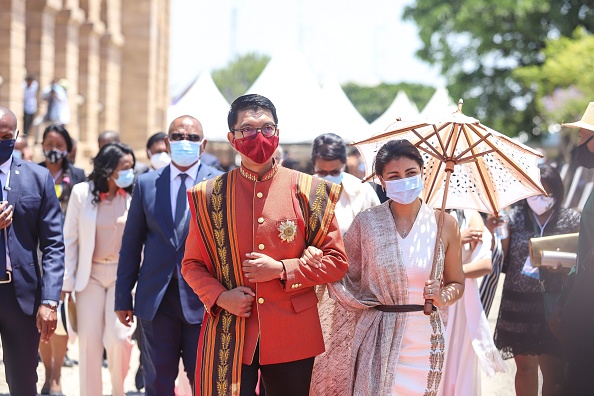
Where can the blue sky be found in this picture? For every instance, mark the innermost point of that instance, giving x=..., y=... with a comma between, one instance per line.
x=360, y=41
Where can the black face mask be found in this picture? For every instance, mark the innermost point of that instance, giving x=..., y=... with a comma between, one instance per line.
x=583, y=156
x=6, y=149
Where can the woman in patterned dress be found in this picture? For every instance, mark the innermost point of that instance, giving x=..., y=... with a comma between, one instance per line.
x=522, y=331
x=397, y=349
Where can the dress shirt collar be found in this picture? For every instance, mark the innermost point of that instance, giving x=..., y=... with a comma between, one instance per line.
x=192, y=172
x=5, y=167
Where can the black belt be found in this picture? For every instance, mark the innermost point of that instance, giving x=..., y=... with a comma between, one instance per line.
x=7, y=278
x=401, y=308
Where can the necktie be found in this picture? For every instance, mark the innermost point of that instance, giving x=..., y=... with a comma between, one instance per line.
x=180, y=207
x=2, y=243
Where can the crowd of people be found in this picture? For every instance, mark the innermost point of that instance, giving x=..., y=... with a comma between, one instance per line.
x=264, y=280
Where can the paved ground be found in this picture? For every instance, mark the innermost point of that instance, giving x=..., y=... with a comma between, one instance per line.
x=499, y=385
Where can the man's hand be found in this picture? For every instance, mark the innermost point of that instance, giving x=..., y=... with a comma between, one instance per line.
x=6, y=212
x=237, y=301
x=125, y=316
x=312, y=256
x=47, y=320
x=261, y=268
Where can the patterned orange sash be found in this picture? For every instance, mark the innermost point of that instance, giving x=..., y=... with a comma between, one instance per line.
x=221, y=344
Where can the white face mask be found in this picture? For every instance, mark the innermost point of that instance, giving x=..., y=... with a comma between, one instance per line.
x=334, y=179
x=404, y=191
x=540, y=204
x=159, y=160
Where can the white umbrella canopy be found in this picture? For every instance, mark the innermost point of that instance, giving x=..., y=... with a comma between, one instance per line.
x=488, y=170
x=467, y=166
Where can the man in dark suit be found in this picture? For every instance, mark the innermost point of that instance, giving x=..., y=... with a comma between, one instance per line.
x=169, y=312
x=29, y=290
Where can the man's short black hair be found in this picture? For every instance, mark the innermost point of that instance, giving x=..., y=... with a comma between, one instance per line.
x=250, y=102
x=157, y=137
x=328, y=147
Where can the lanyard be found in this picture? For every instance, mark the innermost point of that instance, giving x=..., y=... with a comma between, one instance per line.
x=537, y=224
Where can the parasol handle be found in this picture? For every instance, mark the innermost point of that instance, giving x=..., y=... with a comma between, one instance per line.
x=428, y=307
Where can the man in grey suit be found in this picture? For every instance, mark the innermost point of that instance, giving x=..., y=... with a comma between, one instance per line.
x=169, y=312
x=30, y=218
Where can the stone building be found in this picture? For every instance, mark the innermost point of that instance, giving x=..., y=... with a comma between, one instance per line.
x=113, y=54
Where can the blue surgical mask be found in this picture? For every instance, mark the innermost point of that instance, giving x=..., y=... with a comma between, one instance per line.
x=404, y=191
x=184, y=152
x=334, y=179
x=17, y=154
x=125, y=178
x=6, y=149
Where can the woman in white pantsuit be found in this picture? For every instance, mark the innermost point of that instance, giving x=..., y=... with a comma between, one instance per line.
x=93, y=230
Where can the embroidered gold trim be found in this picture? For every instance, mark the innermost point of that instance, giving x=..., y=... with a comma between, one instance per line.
x=317, y=206
x=436, y=355
x=251, y=176
x=219, y=233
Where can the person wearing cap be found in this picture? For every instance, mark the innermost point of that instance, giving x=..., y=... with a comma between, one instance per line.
x=574, y=317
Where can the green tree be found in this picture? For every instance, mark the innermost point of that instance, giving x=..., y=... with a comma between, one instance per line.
x=372, y=102
x=236, y=78
x=479, y=43
x=565, y=81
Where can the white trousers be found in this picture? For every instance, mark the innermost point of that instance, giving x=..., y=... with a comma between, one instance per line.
x=98, y=328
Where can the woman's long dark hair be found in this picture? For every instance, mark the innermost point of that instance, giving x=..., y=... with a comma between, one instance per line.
x=104, y=164
x=60, y=130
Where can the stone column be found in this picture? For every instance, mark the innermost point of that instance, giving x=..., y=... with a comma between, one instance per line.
x=88, y=84
x=68, y=22
x=110, y=80
x=12, y=61
x=143, y=106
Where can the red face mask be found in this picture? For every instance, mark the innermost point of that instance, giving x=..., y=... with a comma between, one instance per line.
x=259, y=149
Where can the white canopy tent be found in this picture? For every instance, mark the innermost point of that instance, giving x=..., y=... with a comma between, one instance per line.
x=440, y=104
x=342, y=116
x=401, y=107
x=290, y=84
x=204, y=101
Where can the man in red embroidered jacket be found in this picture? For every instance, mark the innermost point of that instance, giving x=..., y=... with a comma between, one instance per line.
x=261, y=237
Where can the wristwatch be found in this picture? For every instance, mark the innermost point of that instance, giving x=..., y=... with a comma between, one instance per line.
x=50, y=303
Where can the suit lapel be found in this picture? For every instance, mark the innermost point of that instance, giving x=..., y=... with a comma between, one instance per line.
x=13, y=182
x=163, y=204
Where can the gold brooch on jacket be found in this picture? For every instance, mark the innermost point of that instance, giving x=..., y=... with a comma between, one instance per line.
x=288, y=230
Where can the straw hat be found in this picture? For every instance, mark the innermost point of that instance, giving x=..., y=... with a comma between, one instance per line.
x=587, y=121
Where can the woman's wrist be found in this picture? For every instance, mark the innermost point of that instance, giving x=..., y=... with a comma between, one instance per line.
x=450, y=293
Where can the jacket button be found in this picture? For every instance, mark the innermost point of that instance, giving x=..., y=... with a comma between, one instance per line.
x=259, y=195
x=260, y=300
x=261, y=246
x=261, y=220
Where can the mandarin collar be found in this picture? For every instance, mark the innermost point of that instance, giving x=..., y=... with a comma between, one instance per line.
x=253, y=177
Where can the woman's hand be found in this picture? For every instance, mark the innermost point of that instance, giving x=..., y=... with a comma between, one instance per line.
x=433, y=291
x=470, y=235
